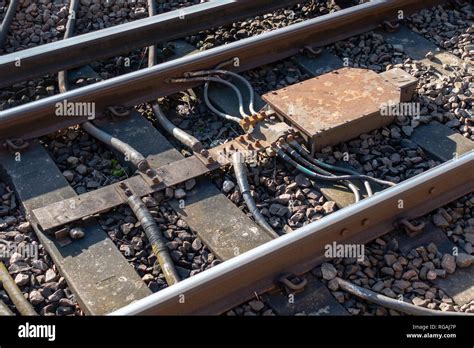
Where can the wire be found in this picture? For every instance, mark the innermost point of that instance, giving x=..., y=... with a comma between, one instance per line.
x=351, y=186
x=179, y=134
x=69, y=32
x=388, y=302
x=206, y=96
x=7, y=21
x=305, y=153
x=309, y=172
x=155, y=237
x=353, y=173
x=132, y=155
x=230, y=73
x=240, y=171
x=152, y=59
x=142, y=213
x=15, y=294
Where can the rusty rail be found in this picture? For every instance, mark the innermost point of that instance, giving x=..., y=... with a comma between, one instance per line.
x=256, y=271
x=150, y=83
x=110, y=42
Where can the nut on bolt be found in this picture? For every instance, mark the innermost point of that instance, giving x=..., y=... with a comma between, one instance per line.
x=125, y=189
x=77, y=233
x=150, y=173
x=245, y=121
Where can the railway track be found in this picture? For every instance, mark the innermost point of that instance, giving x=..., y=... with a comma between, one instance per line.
x=257, y=255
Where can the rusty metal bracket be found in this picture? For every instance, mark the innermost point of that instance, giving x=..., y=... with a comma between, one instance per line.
x=15, y=145
x=206, y=158
x=62, y=236
x=124, y=190
x=68, y=234
x=252, y=120
x=148, y=173
x=411, y=229
x=229, y=62
x=391, y=26
x=118, y=111
x=312, y=51
x=150, y=176
x=290, y=284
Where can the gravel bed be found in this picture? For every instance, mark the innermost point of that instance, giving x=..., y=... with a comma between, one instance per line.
x=37, y=23
x=86, y=163
x=387, y=271
x=189, y=254
x=29, y=264
x=255, y=307
x=407, y=276
x=457, y=221
x=44, y=22
x=285, y=197
x=448, y=26
x=264, y=23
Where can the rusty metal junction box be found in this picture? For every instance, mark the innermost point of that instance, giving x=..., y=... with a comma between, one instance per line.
x=342, y=104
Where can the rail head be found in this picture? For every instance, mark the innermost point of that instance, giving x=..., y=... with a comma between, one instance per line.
x=109, y=42
x=150, y=83
x=236, y=280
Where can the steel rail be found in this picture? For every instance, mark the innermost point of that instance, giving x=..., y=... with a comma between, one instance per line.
x=73, y=52
x=238, y=279
x=150, y=83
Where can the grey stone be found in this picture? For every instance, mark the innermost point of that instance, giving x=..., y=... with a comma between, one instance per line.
x=464, y=260
x=50, y=276
x=22, y=279
x=302, y=181
x=448, y=263
x=328, y=271
x=179, y=193
x=227, y=186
